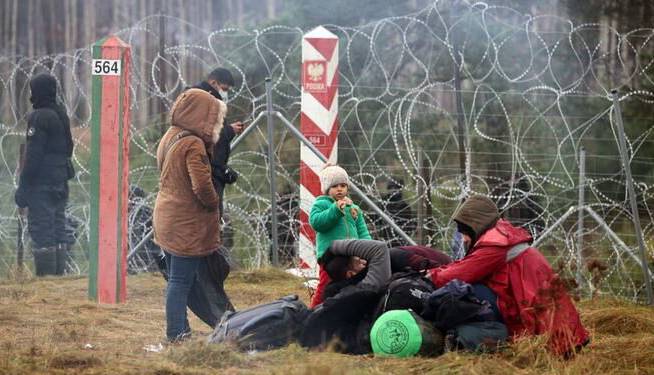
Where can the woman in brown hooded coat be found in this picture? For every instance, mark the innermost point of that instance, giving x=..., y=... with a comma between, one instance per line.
x=186, y=217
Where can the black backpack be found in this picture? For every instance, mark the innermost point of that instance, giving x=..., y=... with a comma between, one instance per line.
x=454, y=304
x=407, y=290
x=262, y=327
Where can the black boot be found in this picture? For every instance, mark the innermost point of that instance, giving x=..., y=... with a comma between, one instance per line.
x=45, y=260
x=62, y=258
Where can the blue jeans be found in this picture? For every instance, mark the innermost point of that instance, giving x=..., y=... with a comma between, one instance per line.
x=190, y=283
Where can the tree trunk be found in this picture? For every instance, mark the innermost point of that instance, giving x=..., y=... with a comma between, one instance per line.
x=270, y=5
x=30, y=32
x=89, y=18
x=228, y=13
x=239, y=13
x=142, y=69
x=6, y=26
x=14, y=27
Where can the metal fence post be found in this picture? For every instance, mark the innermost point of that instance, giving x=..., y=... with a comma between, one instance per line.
x=21, y=213
x=271, y=170
x=622, y=146
x=420, y=212
x=580, y=211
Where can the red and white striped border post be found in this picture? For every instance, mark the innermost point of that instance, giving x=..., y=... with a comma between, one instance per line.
x=110, y=120
x=319, y=123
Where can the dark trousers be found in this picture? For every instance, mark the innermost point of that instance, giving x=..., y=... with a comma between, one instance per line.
x=220, y=190
x=193, y=282
x=46, y=219
x=481, y=336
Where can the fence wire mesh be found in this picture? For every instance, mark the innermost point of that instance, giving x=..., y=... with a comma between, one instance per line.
x=528, y=93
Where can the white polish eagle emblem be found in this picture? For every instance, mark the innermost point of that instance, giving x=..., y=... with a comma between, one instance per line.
x=315, y=71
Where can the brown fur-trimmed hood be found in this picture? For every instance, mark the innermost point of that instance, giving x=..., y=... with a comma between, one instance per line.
x=200, y=113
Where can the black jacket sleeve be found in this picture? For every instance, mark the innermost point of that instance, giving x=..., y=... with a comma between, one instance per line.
x=221, y=151
x=37, y=138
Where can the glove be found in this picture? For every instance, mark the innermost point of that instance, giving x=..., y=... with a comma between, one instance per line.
x=20, y=197
x=230, y=175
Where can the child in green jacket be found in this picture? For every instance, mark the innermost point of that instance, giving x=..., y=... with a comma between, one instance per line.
x=334, y=217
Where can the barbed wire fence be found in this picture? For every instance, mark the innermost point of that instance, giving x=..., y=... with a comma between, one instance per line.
x=459, y=98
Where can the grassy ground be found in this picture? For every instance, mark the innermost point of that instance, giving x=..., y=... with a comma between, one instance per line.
x=48, y=326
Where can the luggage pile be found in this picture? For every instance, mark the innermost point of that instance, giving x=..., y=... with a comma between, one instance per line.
x=409, y=317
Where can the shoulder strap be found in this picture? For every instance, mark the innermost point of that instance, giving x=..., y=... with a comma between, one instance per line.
x=516, y=250
x=169, y=146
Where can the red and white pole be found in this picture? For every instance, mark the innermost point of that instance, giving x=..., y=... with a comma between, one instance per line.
x=319, y=123
x=110, y=120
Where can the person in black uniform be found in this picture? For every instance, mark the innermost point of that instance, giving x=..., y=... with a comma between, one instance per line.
x=43, y=182
x=218, y=84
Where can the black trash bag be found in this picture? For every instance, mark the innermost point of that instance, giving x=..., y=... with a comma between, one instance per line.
x=262, y=327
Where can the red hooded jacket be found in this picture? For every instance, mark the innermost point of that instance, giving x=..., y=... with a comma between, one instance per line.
x=530, y=296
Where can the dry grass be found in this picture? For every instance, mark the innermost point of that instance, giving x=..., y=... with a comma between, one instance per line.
x=46, y=324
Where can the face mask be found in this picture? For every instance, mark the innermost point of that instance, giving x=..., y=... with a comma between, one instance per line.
x=224, y=95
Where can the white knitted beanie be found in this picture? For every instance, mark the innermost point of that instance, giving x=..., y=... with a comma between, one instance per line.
x=332, y=175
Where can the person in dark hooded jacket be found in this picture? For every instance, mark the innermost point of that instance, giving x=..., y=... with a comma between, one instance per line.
x=43, y=182
x=218, y=84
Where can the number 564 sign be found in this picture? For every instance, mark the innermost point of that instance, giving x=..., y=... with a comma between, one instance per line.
x=105, y=67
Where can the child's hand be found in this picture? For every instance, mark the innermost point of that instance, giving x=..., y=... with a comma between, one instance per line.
x=341, y=203
x=354, y=212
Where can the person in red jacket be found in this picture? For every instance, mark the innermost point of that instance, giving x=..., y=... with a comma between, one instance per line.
x=530, y=296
